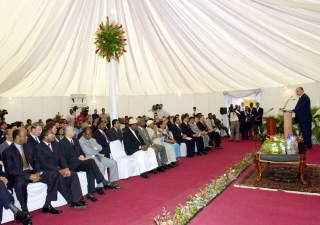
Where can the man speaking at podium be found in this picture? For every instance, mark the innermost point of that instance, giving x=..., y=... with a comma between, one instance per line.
x=303, y=115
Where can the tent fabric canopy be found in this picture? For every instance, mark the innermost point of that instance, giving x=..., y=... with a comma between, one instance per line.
x=174, y=46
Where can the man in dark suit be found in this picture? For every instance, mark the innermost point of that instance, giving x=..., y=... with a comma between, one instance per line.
x=252, y=112
x=102, y=137
x=134, y=145
x=258, y=118
x=179, y=137
x=20, y=165
x=77, y=161
x=303, y=116
x=3, y=127
x=211, y=133
x=115, y=132
x=186, y=129
x=6, y=201
x=33, y=137
x=51, y=158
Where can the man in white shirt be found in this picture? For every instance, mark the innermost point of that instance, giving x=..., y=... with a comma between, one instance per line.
x=70, y=116
x=104, y=115
x=233, y=116
x=161, y=112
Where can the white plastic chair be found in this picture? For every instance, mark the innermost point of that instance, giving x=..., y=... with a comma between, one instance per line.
x=127, y=164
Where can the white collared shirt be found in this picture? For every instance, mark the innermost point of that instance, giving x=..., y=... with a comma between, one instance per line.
x=19, y=147
x=48, y=144
x=9, y=142
x=134, y=133
x=35, y=138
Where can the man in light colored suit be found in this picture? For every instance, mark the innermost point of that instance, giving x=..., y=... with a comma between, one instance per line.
x=193, y=125
x=91, y=148
x=160, y=150
x=8, y=136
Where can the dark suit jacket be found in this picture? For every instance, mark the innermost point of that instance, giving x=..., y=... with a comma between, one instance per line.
x=71, y=152
x=202, y=127
x=253, y=111
x=50, y=160
x=3, y=146
x=302, y=109
x=186, y=130
x=102, y=140
x=258, y=114
x=13, y=163
x=115, y=135
x=32, y=141
x=131, y=143
x=169, y=125
x=176, y=132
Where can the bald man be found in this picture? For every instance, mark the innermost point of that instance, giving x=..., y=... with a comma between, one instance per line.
x=303, y=115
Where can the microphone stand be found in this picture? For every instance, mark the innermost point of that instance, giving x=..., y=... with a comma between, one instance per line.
x=288, y=101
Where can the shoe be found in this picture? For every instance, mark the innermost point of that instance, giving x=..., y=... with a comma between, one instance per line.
x=100, y=191
x=190, y=156
x=208, y=148
x=83, y=202
x=165, y=167
x=51, y=209
x=78, y=205
x=27, y=222
x=155, y=171
x=200, y=153
x=92, y=198
x=174, y=164
x=161, y=170
x=22, y=216
x=170, y=166
x=113, y=185
x=218, y=147
x=205, y=153
x=230, y=140
x=144, y=175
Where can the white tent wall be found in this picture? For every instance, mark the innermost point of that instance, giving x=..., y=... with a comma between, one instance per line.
x=23, y=108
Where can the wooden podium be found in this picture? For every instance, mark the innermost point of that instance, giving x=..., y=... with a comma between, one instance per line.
x=271, y=125
x=287, y=120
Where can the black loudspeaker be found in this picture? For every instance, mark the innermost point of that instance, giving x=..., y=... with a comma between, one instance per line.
x=223, y=110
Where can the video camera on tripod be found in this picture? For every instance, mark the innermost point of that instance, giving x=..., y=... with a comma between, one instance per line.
x=2, y=113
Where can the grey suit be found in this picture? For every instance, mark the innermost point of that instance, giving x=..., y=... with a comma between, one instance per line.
x=162, y=159
x=196, y=130
x=3, y=146
x=91, y=148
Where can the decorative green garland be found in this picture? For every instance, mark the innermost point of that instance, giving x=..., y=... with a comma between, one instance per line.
x=183, y=214
x=110, y=40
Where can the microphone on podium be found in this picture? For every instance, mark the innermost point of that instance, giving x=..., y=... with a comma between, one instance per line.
x=291, y=98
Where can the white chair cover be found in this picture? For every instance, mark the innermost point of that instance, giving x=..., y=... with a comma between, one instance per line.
x=147, y=160
x=127, y=164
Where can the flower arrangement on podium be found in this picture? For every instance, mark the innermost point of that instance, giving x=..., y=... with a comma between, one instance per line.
x=58, y=117
x=275, y=144
x=110, y=40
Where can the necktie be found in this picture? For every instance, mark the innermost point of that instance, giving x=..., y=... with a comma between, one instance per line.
x=105, y=136
x=72, y=142
x=57, y=139
x=37, y=139
x=144, y=132
x=49, y=146
x=98, y=157
x=24, y=160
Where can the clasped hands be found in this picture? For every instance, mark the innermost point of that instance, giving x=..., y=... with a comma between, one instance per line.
x=35, y=177
x=82, y=158
x=65, y=172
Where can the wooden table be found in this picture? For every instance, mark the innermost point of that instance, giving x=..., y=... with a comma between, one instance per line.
x=299, y=159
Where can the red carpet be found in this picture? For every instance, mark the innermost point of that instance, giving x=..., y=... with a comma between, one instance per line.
x=142, y=199
x=249, y=206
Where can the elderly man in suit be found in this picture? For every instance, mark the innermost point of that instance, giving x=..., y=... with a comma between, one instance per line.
x=101, y=136
x=303, y=116
x=91, y=148
x=77, y=161
x=51, y=158
x=159, y=150
x=134, y=145
x=193, y=125
x=115, y=132
x=20, y=165
x=33, y=136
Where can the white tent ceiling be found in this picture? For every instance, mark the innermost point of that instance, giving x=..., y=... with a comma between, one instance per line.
x=174, y=46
